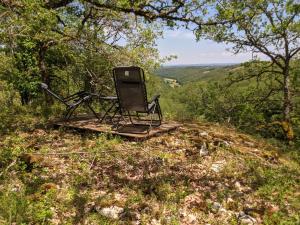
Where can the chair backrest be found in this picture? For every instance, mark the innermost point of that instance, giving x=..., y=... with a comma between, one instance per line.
x=131, y=89
x=46, y=88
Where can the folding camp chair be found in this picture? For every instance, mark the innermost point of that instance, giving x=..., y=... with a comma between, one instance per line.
x=73, y=101
x=132, y=97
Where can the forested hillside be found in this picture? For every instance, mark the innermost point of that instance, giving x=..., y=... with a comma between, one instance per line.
x=184, y=74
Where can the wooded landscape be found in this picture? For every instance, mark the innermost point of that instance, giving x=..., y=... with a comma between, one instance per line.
x=234, y=160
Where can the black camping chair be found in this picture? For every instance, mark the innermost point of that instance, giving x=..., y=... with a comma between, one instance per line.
x=73, y=101
x=132, y=96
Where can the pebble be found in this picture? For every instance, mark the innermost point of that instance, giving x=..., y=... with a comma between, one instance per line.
x=225, y=144
x=187, y=218
x=216, y=206
x=249, y=144
x=245, y=219
x=112, y=212
x=217, y=166
x=203, y=134
x=238, y=186
x=203, y=150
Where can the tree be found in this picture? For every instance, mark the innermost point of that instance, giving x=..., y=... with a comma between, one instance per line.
x=93, y=23
x=81, y=30
x=268, y=27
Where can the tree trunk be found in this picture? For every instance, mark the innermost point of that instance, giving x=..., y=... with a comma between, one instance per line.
x=25, y=99
x=287, y=104
x=43, y=71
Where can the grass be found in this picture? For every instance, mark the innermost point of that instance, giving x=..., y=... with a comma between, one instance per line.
x=162, y=180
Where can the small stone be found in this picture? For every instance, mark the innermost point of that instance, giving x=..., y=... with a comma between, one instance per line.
x=249, y=144
x=195, y=201
x=225, y=144
x=191, y=219
x=245, y=219
x=203, y=134
x=187, y=218
x=31, y=161
x=217, y=166
x=112, y=212
x=154, y=222
x=222, y=210
x=203, y=150
x=89, y=207
x=216, y=206
x=238, y=186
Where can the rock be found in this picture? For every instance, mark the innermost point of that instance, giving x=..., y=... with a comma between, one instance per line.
x=245, y=219
x=248, y=220
x=225, y=144
x=112, y=212
x=191, y=219
x=195, y=201
x=187, y=218
x=16, y=188
x=31, y=160
x=89, y=207
x=154, y=222
x=238, y=186
x=216, y=206
x=203, y=150
x=217, y=166
x=203, y=134
x=249, y=144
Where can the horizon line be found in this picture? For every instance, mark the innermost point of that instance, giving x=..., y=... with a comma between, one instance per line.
x=202, y=64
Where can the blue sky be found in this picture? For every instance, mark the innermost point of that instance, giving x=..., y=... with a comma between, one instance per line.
x=182, y=43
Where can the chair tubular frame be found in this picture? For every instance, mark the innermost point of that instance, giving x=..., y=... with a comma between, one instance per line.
x=72, y=102
x=150, y=111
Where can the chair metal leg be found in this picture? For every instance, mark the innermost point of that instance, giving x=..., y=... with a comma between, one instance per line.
x=107, y=111
x=93, y=111
x=70, y=112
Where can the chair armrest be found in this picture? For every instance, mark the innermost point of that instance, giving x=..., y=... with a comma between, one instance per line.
x=85, y=98
x=94, y=95
x=44, y=86
x=108, y=98
x=76, y=95
x=155, y=98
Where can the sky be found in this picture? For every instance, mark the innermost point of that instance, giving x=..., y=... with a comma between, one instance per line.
x=182, y=43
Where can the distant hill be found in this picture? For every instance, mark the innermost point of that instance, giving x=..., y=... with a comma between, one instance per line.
x=192, y=73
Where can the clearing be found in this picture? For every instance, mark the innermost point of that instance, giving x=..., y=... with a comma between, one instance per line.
x=199, y=174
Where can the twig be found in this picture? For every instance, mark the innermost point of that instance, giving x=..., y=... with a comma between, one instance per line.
x=9, y=166
x=91, y=165
x=68, y=153
x=57, y=153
